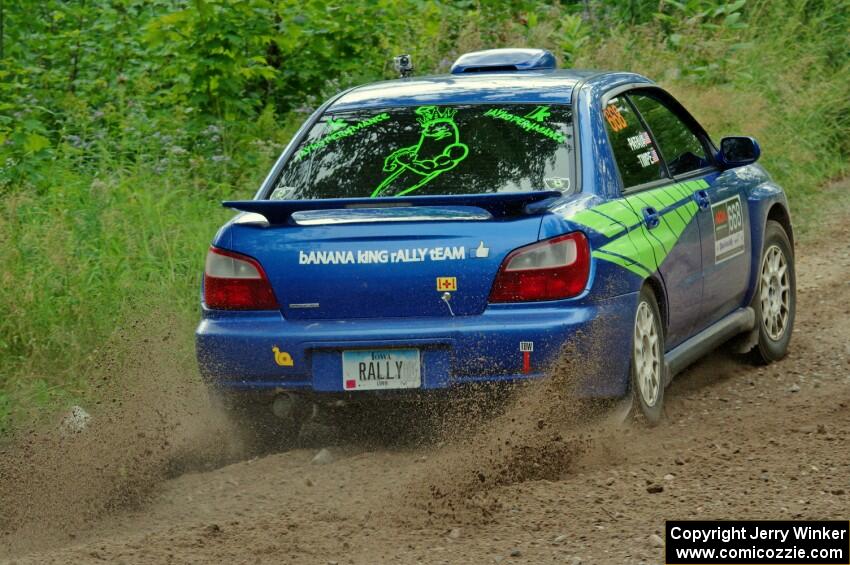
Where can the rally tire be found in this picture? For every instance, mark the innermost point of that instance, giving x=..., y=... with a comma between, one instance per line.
x=775, y=300
x=648, y=371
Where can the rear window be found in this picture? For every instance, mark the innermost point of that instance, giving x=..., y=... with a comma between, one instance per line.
x=432, y=150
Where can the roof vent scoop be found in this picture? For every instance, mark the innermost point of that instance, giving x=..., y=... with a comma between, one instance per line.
x=501, y=60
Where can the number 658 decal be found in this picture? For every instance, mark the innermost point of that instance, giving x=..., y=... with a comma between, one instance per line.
x=728, y=216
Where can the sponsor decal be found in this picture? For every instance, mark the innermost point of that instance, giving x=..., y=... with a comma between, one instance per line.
x=340, y=132
x=526, y=122
x=539, y=114
x=336, y=124
x=383, y=256
x=448, y=284
x=282, y=358
x=728, y=216
x=617, y=219
x=481, y=252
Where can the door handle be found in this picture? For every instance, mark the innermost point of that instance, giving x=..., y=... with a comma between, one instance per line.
x=650, y=214
x=702, y=199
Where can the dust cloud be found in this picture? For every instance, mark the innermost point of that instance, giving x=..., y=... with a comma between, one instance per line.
x=154, y=420
x=150, y=418
x=544, y=430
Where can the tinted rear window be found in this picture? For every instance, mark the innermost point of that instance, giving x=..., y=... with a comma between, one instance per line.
x=428, y=150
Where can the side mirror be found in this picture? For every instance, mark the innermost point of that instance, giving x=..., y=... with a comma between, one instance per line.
x=738, y=151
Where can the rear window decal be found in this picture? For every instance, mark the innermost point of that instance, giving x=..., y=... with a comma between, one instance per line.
x=648, y=158
x=557, y=183
x=539, y=114
x=728, y=220
x=525, y=122
x=282, y=193
x=615, y=118
x=402, y=156
x=341, y=131
x=335, y=123
x=639, y=141
x=438, y=150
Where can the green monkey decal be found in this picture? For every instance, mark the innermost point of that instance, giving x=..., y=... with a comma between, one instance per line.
x=439, y=150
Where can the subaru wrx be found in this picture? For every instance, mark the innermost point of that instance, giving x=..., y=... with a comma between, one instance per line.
x=431, y=232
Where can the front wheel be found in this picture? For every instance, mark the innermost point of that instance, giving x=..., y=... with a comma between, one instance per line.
x=648, y=369
x=775, y=302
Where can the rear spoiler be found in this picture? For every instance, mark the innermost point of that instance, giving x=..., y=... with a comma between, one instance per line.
x=498, y=205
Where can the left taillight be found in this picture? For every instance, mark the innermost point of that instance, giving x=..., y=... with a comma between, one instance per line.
x=550, y=270
x=233, y=281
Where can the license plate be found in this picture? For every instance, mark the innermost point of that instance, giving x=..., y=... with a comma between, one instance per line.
x=380, y=369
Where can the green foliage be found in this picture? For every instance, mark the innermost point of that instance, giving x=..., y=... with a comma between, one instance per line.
x=124, y=122
x=212, y=54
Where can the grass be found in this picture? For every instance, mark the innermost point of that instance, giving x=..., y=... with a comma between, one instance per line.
x=78, y=258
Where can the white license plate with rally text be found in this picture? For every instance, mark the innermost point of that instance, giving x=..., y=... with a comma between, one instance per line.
x=380, y=369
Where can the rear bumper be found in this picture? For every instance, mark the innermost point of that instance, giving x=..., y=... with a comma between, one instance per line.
x=235, y=350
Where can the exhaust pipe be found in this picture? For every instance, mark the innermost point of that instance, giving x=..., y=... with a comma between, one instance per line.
x=284, y=406
x=288, y=406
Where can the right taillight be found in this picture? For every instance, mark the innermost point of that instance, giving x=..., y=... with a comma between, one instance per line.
x=549, y=270
x=233, y=281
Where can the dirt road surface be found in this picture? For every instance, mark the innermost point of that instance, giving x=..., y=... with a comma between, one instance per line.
x=535, y=485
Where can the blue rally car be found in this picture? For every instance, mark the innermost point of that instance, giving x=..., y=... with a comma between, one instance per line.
x=430, y=232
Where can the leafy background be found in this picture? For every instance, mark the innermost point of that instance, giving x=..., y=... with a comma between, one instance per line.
x=123, y=123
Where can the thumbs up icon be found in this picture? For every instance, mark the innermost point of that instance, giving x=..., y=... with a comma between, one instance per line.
x=482, y=252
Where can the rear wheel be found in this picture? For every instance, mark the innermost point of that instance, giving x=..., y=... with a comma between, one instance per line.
x=648, y=370
x=775, y=299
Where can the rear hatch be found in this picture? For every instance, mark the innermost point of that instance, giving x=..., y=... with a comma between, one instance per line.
x=349, y=262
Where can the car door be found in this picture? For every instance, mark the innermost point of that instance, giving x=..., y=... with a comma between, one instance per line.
x=722, y=207
x=664, y=233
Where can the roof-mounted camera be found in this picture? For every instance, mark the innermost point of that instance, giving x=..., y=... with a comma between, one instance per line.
x=403, y=65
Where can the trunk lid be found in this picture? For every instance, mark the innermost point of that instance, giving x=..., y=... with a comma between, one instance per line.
x=344, y=261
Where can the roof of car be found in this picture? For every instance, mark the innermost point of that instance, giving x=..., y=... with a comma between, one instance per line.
x=532, y=87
